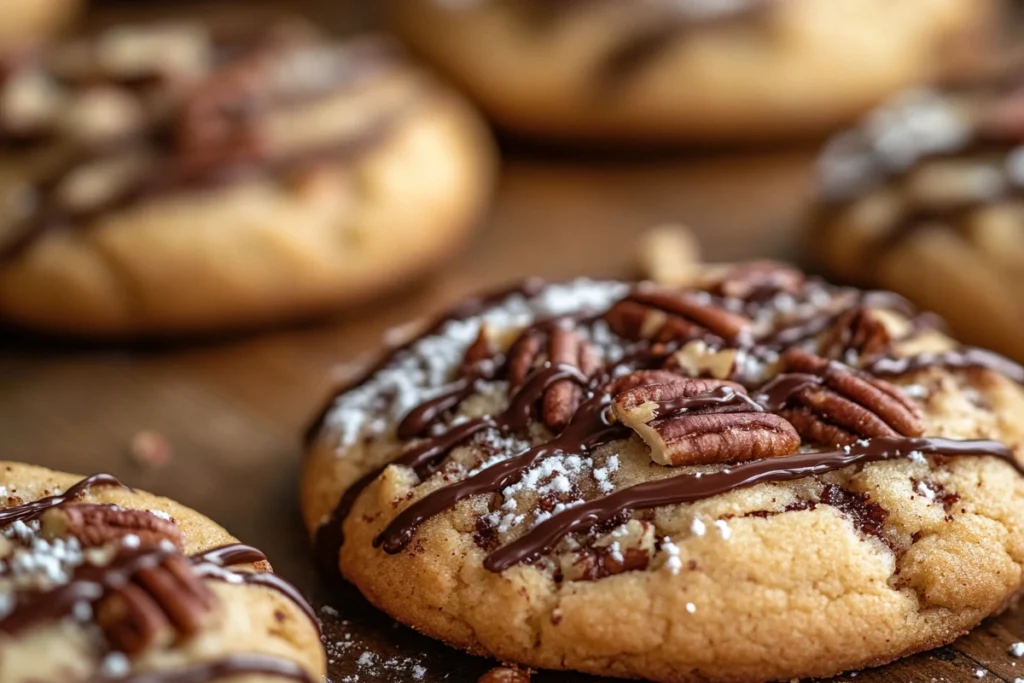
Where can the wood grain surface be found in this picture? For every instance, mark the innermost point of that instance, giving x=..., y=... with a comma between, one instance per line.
x=232, y=409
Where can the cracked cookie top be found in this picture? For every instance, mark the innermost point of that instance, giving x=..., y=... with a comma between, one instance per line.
x=115, y=585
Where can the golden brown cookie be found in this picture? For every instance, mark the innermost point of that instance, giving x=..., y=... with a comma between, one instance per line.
x=924, y=198
x=755, y=476
x=101, y=583
x=167, y=179
x=691, y=71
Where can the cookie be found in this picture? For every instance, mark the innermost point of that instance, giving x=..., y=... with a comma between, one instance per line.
x=100, y=583
x=924, y=197
x=27, y=23
x=690, y=71
x=171, y=179
x=755, y=476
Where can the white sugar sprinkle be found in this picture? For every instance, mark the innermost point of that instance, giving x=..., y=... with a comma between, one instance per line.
x=421, y=371
x=1017, y=650
x=697, y=527
x=691, y=608
x=723, y=529
x=115, y=665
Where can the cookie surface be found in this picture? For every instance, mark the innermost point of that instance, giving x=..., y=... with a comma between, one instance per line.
x=755, y=477
x=686, y=71
x=169, y=179
x=924, y=198
x=101, y=583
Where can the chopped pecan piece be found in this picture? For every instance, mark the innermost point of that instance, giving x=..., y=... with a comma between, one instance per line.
x=97, y=524
x=858, y=335
x=162, y=601
x=664, y=316
x=702, y=421
x=844, y=405
x=562, y=346
x=697, y=359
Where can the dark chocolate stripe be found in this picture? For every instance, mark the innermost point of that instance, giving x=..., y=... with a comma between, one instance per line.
x=35, y=508
x=687, y=488
x=963, y=358
x=213, y=564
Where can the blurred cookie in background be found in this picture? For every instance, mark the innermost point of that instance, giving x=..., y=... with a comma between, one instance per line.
x=27, y=22
x=925, y=197
x=172, y=179
x=683, y=71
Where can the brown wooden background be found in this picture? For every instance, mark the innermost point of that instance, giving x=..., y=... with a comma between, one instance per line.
x=232, y=409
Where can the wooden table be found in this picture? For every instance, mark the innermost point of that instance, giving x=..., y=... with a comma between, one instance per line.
x=232, y=409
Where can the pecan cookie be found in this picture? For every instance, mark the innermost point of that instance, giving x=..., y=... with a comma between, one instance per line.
x=173, y=178
x=925, y=198
x=752, y=476
x=689, y=70
x=101, y=583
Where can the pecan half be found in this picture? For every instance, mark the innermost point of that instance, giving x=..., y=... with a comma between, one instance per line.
x=843, y=405
x=97, y=524
x=562, y=346
x=161, y=603
x=664, y=316
x=857, y=336
x=702, y=421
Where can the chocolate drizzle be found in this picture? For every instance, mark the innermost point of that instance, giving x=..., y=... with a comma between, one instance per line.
x=687, y=488
x=964, y=358
x=593, y=425
x=213, y=564
x=35, y=508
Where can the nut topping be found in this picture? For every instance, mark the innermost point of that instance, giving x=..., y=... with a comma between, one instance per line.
x=838, y=405
x=96, y=525
x=858, y=335
x=563, y=347
x=675, y=316
x=160, y=603
x=702, y=421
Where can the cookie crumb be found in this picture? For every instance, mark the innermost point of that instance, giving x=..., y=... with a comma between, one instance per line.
x=329, y=611
x=151, y=449
x=506, y=674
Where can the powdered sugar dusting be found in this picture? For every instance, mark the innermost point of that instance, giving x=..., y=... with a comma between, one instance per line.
x=424, y=369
